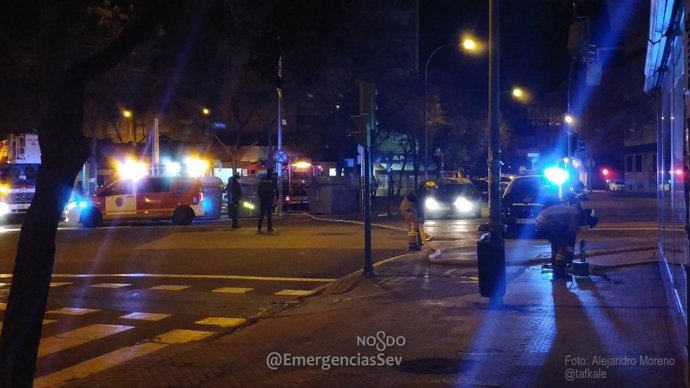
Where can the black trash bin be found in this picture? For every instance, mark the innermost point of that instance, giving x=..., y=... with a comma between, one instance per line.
x=491, y=260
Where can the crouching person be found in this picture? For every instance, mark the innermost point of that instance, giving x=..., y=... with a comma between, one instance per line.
x=560, y=225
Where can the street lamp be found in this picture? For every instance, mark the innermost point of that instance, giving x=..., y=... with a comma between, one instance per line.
x=468, y=44
x=130, y=116
x=569, y=121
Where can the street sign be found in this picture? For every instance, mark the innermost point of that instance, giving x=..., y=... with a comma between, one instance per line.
x=280, y=156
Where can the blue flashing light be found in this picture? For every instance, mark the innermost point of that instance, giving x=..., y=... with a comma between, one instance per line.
x=556, y=175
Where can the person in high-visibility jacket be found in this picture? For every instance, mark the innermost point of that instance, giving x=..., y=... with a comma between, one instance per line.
x=560, y=224
x=412, y=210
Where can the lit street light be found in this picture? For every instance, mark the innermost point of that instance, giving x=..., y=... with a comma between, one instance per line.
x=467, y=44
x=569, y=121
x=130, y=116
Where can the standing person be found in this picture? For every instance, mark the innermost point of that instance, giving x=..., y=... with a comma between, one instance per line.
x=412, y=210
x=374, y=188
x=234, y=192
x=560, y=224
x=267, y=191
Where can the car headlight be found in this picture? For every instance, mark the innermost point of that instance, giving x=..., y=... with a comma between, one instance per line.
x=431, y=204
x=463, y=205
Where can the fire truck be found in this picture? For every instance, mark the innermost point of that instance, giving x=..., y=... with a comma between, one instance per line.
x=20, y=159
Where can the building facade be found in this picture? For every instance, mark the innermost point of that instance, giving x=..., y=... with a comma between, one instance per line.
x=666, y=76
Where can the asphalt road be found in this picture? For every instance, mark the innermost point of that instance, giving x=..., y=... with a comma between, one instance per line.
x=122, y=285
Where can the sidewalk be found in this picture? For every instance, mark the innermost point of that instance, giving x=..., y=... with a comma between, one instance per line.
x=424, y=324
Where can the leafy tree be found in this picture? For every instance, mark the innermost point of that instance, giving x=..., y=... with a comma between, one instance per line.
x=401, y=116
x=75, y=43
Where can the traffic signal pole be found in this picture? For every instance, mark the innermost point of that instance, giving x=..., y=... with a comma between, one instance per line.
x=365, y=122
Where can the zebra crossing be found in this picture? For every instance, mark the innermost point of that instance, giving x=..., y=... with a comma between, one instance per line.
x=85, y=331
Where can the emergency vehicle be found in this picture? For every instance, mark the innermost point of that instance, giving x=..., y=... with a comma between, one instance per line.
x=20, y=159
x=179, y=199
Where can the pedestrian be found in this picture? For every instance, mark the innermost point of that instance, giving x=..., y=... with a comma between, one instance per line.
x=374, y=188
x=234, y=193
x=560, y=224
x=412, y=210
x=267, y=192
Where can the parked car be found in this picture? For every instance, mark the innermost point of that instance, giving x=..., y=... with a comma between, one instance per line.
x=616, y=186
x=524, y=198
x=295, y=196
x=483, y=186
x=454, y=200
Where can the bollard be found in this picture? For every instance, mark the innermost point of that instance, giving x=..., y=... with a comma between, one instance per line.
x=491, y=265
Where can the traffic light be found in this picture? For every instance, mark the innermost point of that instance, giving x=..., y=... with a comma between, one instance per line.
x=365, y=121
x=579, y=37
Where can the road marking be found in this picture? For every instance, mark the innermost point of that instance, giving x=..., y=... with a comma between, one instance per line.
x=72, y=311
x=233, y=290
x=181, y=336
x=294, y=292
x=183, y=276
x=78, y=337
x=117, y=357
x=146, y=316
x=45, y=322
x=221, y=321
x=59, y=284
x=98, y=364
x=110, y=285
x=169, y=287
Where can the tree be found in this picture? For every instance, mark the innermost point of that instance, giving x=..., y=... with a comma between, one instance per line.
x=401, y=113
x=56, y=63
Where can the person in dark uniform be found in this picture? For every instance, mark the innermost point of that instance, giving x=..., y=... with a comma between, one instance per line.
x=560, y=224
x=412, y=210
x=234, y=192
x=267, y=192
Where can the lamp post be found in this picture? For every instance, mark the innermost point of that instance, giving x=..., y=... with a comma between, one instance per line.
x=128, y=115
x=467, y=44
x=569, y=121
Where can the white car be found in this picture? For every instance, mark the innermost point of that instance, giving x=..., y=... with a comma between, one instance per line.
x=616, y=186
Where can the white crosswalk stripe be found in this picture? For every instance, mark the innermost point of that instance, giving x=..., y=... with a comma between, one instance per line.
x=94, y=328
x=78, y=337
x=119, y=356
